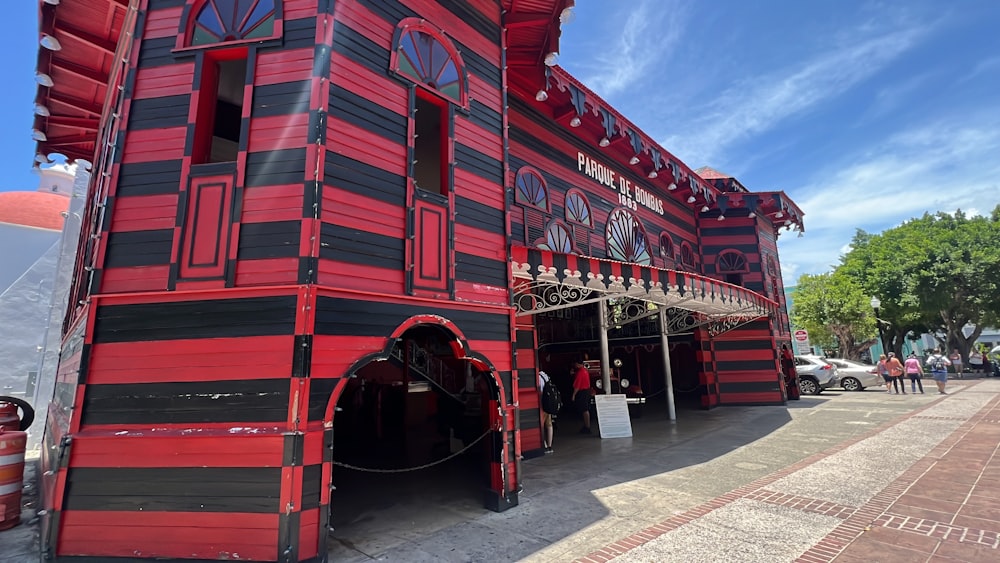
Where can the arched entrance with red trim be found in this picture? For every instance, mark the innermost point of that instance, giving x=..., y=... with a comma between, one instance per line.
x=417, y=436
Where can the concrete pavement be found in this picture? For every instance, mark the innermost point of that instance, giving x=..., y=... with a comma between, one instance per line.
x=843, y=476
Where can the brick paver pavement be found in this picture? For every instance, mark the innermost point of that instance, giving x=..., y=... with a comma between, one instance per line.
x=945, y=507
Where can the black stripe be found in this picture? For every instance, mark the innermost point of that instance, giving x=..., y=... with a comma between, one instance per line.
x=274, y=168
x=364, y=179
x=477, y=214
x=174, y=489
x=283, y=98
x=300, y=33
x=746, y=365
x=161, y=4
x=317, y=128
x=530, y=419
x=249, y=316
x=289, y=529
x=302, y=355
x=714, y=249
x=149, y=178
x=473, y=161
x=368, y=115
x=359, y=48
x=506, y=378
x=154, y=113
x=312, y=486
x=254, y=400
x=157, y=52
x=139, y=248
x=750, y=386
x=525, y=339
x=361, y=247
x=485, y=117
x=336, y=316
x=278, y=239
x=320, y=391
x=292, y=449
x=527, y=377
x=742, y=344
x=475, y=19
x=469, y=267
x=728, y=231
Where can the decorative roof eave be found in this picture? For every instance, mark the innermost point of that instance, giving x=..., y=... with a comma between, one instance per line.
x=585, y=112
x=69, y=110
x=580, y=279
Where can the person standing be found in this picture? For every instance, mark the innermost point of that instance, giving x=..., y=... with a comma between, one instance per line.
x=956, y=360
x=581, y=394
x=882, y=368
x=939, y=369
x=896, y=373
x=788, y=371
x=915, y=372
x=547, y=428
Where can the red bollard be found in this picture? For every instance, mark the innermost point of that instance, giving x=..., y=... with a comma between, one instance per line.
x=12, y=447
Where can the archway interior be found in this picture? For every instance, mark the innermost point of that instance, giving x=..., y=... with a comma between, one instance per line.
x=635, y=352
x=419, y=406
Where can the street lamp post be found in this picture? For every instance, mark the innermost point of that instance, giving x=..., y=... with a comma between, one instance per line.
x=876, y=303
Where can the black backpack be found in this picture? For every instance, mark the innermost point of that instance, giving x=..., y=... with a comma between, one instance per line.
x=551, y=400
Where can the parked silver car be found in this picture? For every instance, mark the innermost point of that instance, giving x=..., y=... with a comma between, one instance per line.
x=815, y=374
x=856, y=376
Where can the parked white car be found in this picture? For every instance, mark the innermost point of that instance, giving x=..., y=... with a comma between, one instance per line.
x=856, y=376
x=815, y=374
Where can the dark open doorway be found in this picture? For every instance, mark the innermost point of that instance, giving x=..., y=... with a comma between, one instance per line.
x=411, y=443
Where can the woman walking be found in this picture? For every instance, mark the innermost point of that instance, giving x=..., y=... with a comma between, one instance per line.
x=896, y=373
x=883, y=369
x=915, y=372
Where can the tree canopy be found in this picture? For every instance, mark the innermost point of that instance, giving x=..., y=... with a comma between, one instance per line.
x=932, y=274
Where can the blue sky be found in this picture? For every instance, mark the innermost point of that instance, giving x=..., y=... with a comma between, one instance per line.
x=866, y=113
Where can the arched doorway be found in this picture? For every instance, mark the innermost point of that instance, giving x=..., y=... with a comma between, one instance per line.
x=414, y=438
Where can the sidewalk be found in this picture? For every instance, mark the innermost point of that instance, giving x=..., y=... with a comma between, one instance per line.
x=925, y=487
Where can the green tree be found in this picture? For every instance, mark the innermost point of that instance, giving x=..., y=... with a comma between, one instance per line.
x=835, y=310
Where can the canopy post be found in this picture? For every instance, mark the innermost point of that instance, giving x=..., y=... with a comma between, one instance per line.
x=602, y=308
x=665, y=346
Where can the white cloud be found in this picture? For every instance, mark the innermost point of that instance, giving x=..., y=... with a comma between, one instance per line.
x=755, y=104
x=941, y=166
x=648, y=32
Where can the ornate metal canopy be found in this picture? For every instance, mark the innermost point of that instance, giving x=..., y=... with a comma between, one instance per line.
x=547, y=281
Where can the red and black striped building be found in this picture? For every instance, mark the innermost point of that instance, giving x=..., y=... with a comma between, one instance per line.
x=293, y=198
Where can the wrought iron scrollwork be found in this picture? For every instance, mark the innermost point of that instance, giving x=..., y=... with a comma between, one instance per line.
x=544, y=296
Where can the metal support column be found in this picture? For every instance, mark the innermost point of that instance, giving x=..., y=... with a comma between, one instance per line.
x=602, y=308
x=665, y=345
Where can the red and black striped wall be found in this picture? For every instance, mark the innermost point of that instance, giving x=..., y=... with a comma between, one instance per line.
x=231, y=300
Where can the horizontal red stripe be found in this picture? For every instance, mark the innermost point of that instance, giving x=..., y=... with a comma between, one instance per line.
x=137, y=278
x=237, y=446
x=169, y=80
x=269, y=271
x=146, y=145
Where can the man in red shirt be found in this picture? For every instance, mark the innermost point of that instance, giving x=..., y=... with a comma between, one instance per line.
x=581, y=394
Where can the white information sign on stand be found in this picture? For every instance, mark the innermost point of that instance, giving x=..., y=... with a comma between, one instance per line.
x=612, y=415
x=802, y=345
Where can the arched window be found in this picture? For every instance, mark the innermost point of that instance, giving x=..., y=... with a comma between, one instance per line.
x=530, y=189
x=425, y=56
x=666, y=248
x=687, y=257
x=731, y=261
x=223, y=21
x=626, y=238
x=557, y=239
x=731, y=265
x=578, y=209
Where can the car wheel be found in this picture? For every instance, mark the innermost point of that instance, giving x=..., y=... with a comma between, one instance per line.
x=809, y=387
x=851, y=384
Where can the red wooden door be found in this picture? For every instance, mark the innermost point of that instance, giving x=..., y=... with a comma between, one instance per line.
x=430, y=271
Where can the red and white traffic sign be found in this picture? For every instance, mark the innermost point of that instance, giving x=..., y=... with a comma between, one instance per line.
x=801, y=336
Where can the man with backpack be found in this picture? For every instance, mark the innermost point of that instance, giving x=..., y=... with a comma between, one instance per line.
x=551, y=402
x=939, y=369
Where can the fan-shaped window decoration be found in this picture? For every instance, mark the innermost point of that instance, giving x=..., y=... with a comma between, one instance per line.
x=425, y=56
x=578, y=209
x=666, y=247
x=731, y=261
x=687, y=257
x=626, y=238
x=531, y=189
x=557, y=239
x=221, y=21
